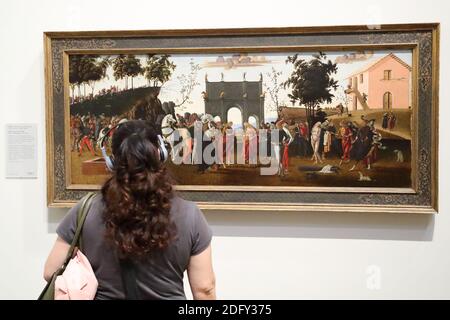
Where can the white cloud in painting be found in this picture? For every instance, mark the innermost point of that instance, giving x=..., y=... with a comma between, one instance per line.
x=238, y=60
x=354, y=57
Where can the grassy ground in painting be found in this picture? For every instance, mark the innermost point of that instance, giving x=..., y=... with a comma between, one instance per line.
x=386, y=172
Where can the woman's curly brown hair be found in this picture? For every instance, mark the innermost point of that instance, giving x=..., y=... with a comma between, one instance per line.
x=137, y=195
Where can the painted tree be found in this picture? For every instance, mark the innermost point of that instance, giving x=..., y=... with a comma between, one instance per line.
x=118, y=65
x=87, y=70
x=96, y=71
x=273, y=87
x=74, y=75
x=188, y=83
x=82, y=70
x=311, y=82
x=343, y=97
x=104, y=63
x=158, y=69
x=132, y=67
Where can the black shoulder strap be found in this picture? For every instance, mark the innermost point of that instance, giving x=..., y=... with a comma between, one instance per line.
x=81, y=217
x=128, y=273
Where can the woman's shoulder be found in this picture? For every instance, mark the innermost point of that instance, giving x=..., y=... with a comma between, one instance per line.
x=191, y=222
x=185, y=211
x=180, y=204
x=96, y=204
x=97, y=200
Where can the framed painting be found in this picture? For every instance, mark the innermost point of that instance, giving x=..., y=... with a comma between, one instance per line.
x=332, y=119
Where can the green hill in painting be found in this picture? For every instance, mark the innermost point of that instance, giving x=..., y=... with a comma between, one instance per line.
x=111, y=104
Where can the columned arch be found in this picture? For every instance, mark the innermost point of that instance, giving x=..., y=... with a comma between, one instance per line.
x=253, y=120
x=234, y=114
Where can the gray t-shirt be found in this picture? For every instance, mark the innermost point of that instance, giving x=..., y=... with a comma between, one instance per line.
x=160, y=276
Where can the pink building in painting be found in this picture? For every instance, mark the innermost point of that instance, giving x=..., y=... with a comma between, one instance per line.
x=382, y=84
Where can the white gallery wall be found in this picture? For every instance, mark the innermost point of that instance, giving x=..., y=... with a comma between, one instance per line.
x=256, y=254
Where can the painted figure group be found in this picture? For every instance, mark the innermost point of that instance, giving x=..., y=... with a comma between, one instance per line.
x=85, y=131
x=350, y=141
x=389, y=121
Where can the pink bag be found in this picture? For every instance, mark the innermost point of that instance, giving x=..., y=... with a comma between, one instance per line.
x=78, y=281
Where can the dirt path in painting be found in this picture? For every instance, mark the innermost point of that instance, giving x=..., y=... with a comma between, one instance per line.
x=382, y=174
x=386, y=172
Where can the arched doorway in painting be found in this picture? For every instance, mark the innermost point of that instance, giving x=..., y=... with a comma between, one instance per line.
x=387, y=101
x=234, y=115
x=253, y=120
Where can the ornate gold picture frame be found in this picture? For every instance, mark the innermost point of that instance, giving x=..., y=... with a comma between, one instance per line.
x=378, y=111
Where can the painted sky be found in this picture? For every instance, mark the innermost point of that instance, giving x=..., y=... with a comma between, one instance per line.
x=252, y=65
